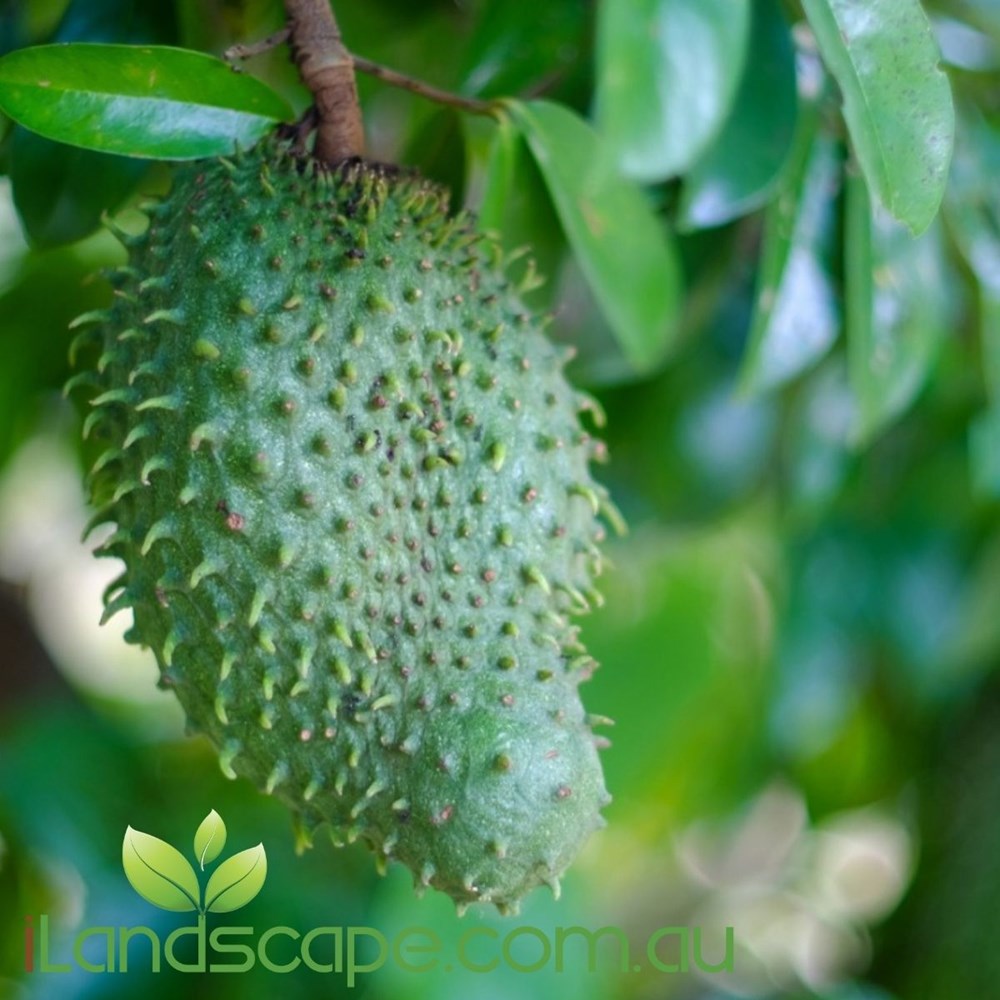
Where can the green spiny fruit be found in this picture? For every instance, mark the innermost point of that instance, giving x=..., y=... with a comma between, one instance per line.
x=351, y=493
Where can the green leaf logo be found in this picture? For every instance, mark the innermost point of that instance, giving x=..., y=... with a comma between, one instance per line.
x=209, y=839
x=165, y=878
x=159, y=872
x=236, y=881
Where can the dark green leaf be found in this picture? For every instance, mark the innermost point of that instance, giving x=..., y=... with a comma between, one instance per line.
x=621, y=245
x=899, y=305
x=667, y=75
x=796, y=314
x=740, y=171
x=132, y=21
x=38, y=302
x=151, y=101
x=984, y=449
x=897, y=100
x=518, y=45
x=60, y=193
x=437, y=149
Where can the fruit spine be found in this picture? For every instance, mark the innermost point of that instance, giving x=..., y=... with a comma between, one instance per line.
x=352, y=496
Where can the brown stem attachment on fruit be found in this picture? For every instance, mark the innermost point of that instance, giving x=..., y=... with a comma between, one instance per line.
x=327, y=69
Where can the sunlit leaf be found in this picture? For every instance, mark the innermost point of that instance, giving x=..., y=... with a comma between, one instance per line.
x=209, y=839
x=236, y=881
x=740, y=171
x=899, y=305
x=620, y=243
x=667, y=75
x=159, y=872
x=796, y=315
x=897, y=99
x=150, y=101
x=61, y=192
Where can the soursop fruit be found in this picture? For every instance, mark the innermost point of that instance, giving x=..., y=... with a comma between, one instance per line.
x=351, y=491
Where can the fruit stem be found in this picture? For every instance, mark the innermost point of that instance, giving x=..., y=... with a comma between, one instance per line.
x=327, y=69
x=394, y=79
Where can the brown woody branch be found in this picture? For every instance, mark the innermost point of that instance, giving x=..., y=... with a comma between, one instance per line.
x=327, y=69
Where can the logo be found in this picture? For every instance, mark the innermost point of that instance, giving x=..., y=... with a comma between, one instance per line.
x=165, y=878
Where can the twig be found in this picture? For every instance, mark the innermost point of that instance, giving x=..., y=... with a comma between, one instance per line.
x=247, y=50
x=404, y=82
x=327, y=70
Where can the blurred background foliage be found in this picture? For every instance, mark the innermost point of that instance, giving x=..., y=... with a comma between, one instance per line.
x=800, y=638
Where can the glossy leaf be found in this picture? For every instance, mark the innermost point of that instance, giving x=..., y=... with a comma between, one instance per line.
x=151, y=101
x=61, y=193
x=898, y=310
x=740, y=171
x=209, y=839
x=796, y=314
x=667, y=75
x=236, y=881
x=897, y=100
x=621, y=245
x=159, y=872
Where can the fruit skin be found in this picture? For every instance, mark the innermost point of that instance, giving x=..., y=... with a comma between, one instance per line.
x=353, y=501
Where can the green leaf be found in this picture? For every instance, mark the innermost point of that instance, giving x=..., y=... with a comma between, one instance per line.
x=517, y=45
x=33, y=322
x=667, y=75
x=740, y=172
x=152, y=101
x=899, y=306
x=437, y=149
x=236, y=881
x=984, y=453
x=620, y=243
x=60, y=193
x=209, y=839
x=796, y=313
x=897, y=100
x=517, y=208
x=159, y=872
